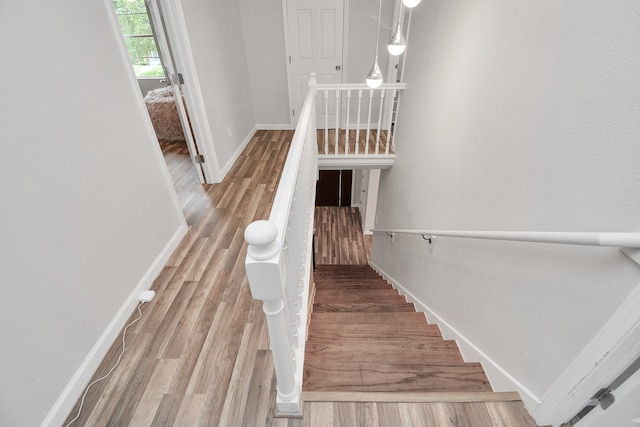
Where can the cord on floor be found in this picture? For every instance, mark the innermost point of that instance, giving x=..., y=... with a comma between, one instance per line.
x=124, y=334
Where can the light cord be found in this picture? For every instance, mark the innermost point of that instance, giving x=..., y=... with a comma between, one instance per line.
x=379, y=23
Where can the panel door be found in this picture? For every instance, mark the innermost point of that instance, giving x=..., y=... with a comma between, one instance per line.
x=315, y=30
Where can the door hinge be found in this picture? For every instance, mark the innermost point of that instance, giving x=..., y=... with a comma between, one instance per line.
x=199, y=158
x=177, y=79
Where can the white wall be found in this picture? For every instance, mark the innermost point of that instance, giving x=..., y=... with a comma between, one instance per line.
x=517, y=116
x=263, y=31
x=362, y=26
x=147, y=84
x=87, y=205
x=215, y=35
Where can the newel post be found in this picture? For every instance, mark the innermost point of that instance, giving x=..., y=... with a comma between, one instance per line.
x=265, y=281
x=313, y=82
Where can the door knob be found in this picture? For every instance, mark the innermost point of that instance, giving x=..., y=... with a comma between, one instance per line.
x=338, y=68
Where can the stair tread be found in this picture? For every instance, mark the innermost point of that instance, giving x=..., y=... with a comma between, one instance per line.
x=338, y=331
x=362, y=350
x=352, y=285
x=364, y=318
x=383, y=296
x=365, y=337
x=389, y=377
x=363, y=307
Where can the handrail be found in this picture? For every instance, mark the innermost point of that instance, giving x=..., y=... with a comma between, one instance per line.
x=613, y=239
x=357, y=86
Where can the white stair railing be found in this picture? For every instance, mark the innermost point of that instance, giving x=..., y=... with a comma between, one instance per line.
x=278, y=261
x=337, y=101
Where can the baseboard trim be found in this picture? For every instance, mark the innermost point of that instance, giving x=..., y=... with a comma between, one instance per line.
x=286, y=126
x=406, y=397
x=499, y=378
x=75, y=387
x=232, y=160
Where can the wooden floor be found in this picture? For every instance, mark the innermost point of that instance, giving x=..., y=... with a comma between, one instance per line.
x=199, y=356
x=339, y=238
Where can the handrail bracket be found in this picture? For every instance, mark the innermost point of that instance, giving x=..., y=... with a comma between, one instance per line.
x=431, y=239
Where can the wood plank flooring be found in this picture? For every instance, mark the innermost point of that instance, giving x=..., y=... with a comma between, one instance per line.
x=200, y=357
x=339, y=238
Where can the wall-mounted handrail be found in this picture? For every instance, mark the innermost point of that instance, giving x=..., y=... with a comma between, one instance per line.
x=614, y=239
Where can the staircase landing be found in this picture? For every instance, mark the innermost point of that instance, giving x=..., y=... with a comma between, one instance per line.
x=365, y=337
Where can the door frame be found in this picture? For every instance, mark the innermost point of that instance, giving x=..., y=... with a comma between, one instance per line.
x=287, y=45
x=176, y=28
x=157, y=19
x=613, y=348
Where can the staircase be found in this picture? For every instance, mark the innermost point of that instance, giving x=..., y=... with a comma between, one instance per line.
x=365, y=337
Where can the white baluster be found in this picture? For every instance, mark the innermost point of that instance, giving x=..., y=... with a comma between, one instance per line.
x=395, y=128
x=379, y=121
x=366, y=144
x=358, y=122
x=337, y=120
x=326, y=122
x=390, y=121
x=346, y=133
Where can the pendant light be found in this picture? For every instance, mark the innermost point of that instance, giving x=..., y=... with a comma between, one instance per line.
x=375, y=78
x=410, y=3
x=397, y=44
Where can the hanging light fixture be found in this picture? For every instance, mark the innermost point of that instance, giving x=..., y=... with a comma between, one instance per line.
x=375, y=78
x=397, y=44
x=410, y=3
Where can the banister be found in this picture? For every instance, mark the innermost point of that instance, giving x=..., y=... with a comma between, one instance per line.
x=278, y=262
x=608, y=239
x=363, y=86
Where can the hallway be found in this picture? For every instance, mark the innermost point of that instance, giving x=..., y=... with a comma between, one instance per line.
x=200, y=354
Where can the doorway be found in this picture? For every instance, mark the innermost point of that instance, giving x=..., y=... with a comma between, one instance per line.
x=143, y=28
x=315, y=40
x=333, y=188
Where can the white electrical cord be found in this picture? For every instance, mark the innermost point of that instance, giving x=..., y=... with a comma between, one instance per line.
x=124, y=334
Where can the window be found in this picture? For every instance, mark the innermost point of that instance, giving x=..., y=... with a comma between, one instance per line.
x=138, y=35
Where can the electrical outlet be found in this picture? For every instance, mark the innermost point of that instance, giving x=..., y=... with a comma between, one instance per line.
x=147, y=296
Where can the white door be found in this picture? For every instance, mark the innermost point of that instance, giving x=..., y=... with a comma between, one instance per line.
x=174, y=78
x=315, y=43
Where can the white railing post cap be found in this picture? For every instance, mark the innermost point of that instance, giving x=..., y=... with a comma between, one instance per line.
x=261, y=236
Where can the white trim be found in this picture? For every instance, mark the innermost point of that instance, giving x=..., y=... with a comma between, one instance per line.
x=606, y=356
x=274, y=127
x=227, y=167
x=285, y=22
x=351, y=161
x=177, y=29
x=500, y=379
x=75, y=387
